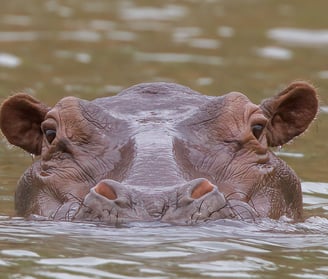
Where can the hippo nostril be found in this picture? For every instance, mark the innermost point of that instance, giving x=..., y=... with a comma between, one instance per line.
x=106, y=190
x=202, y=189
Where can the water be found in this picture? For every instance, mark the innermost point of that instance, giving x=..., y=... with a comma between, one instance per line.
x=223, y=249
x=89, y=49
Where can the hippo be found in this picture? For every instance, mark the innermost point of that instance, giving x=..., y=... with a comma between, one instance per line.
x=159, y=152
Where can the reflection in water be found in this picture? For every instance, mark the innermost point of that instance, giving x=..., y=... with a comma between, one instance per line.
x=18, y=20
x=289, y=154
x=300, y=37
x=183, y=34
x=323, y=74
x=19, y=36
x=80, y=36
x=275, y=53
x=204, y=43
x=99, y=24
x=122, y=36
x=178, y=58
x=225, y=31
x=80, y=56
x=169, y=12
x=9, y=60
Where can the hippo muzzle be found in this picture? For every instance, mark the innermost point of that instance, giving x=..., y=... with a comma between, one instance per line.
x=193, y=202
x=159, y=152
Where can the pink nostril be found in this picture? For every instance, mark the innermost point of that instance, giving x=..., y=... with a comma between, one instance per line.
x=202, y=189
x=106, y=190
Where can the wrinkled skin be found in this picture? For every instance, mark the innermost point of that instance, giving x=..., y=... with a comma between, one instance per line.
x=159, y=151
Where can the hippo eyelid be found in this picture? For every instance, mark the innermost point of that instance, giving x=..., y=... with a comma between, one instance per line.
x=258, y=126
x=257, y=130
x=50, y=135
x=49, y=131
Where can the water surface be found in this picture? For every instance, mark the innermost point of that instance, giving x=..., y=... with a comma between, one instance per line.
x=89, y=49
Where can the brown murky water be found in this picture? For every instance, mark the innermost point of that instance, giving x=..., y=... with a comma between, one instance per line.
x=95, y=48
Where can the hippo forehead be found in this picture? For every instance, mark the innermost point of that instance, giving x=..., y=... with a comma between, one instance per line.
x=159, y=102
x=153, y=102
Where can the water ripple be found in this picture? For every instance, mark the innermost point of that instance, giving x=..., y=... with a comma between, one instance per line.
x=178, y=58
x=81, y=35
x=20, y=20
x=168, y=12
x=84, y=261
x=300, y=37
x=275, y=53
x=160, y=254
x=19, y=253
x=19, y=36
x=225, y=248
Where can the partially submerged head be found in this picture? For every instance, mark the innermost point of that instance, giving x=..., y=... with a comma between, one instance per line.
x=159, y=152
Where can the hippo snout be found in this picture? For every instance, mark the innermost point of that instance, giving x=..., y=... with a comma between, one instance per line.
x=114, y=203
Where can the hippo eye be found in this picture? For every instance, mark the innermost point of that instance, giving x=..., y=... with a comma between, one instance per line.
x=257, y=130
x=50, y=135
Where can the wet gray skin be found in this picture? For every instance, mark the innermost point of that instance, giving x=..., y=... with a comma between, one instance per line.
x=159, y=151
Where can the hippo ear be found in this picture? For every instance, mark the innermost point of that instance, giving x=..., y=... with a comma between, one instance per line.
x=20, y=121
x=290, y=112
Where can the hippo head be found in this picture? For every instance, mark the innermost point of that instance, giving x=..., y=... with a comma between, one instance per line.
x=158, y=151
